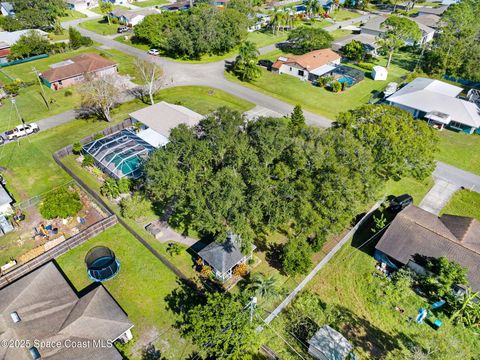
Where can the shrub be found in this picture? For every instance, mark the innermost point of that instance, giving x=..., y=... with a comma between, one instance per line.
x=60, y=203
x=206, y=271
x=135, y=207
x=68, y=93
x=335, y=86
x=124, y=185
x=88, y=160
x=77, y=148
x=12, y=88
x=240, y=270
x=98, y=136
x=174, y=249
x=366, y=66
x=110, y=188
x=296, y=257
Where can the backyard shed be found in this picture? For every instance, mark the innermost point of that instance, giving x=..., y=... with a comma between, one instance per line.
x=223, y=257
x=329, y=344
x=379, y=73
x=5, y=201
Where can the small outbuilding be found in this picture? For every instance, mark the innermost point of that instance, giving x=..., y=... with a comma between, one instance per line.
x=379, y=73
x=329, y=344
x=6, y=202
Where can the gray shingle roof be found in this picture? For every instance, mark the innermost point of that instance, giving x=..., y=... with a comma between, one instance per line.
x=415, y=232
x=51, y=311
x=222, y=257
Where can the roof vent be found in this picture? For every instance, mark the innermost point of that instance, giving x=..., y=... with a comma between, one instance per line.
x=15, y=317
x=101, y=263
x=282, y=58
x=34, y=353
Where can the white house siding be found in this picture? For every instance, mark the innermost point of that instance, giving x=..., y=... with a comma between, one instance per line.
x=136, y=20
x=293, y=71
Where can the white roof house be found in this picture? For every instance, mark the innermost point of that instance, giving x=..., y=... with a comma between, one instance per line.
x=379, y=73
x=11, y=38
x=160, y=119
x=437, y=101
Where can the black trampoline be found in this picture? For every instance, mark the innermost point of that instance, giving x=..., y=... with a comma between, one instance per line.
x=101, y=263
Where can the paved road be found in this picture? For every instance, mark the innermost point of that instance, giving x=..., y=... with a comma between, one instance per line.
x=457, y=176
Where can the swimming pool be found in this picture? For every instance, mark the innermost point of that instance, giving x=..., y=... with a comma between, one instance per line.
x=347, y=80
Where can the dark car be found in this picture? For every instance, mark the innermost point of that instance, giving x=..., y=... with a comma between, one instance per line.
x=265, y=63
x=122, y=29
x=400, y=202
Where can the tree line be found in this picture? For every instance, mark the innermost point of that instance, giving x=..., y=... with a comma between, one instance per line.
x=277, y=174
x=33, y=14
x=190, y=34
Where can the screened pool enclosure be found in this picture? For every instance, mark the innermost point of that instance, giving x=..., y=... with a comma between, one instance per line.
x=120, y=154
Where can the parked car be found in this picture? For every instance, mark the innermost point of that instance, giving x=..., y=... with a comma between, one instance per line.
x=123, y=29
x=22, y=130
x=153, y=52
x=400, y=202
x=265, y=63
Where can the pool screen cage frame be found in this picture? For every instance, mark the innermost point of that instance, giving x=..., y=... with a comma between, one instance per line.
x=355, y=74
x=113, y=147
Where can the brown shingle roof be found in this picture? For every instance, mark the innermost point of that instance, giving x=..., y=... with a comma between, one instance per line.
x=81, y=64
x=311, y=60
x=416, y=232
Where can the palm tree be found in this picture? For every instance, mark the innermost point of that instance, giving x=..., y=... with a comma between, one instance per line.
x=277, y=19
x=263, y=286
x=246, y=62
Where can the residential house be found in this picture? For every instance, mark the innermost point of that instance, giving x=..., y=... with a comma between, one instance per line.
x=41, y=308
x=118, y=2
x=432, y=11
x=6, y=201
x=430, y=20
x=7, y=9
x=308, y=66
x=81, y=5
x=329, y=344
x=415, y=236
x=224, y=257
x=369, y=43
x=374, y=28
x=177, y=6
x=74, y=70
x=131, y=17
x=159, y=119
x=259, y=21
x=438, y=103
x=8, y=39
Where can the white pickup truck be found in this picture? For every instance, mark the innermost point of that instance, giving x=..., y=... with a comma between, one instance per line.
x=22, y=130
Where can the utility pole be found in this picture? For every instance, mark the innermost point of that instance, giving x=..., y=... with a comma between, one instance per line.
x=41, y=87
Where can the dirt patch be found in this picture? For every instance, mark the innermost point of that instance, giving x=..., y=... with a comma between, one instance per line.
x=144, y=339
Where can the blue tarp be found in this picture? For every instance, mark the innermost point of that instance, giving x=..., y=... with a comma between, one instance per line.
x=381, y=257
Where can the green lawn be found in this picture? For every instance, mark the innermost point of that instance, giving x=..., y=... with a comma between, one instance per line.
x=99, y=12
x=30, y=102
x=342, y=15
x=319, y=100
x=72, y=15
x=418, y=189
x=464, y=203
x=140, y=289
x=460, y=150
x=266, y=37
x=355, y=306
x=100, y=26
x=148, y=3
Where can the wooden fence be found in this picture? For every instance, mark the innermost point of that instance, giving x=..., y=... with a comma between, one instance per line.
x=74, y=241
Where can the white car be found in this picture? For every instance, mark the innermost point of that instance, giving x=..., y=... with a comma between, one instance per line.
x=153, y=52
x=22, y=130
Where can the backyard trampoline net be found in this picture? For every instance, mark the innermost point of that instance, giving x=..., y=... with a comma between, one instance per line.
x=120, y=154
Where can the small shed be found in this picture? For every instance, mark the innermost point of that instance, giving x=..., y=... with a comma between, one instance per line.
x=223, y=257
x=379, y=73
x=329, y=344
x=6, y=202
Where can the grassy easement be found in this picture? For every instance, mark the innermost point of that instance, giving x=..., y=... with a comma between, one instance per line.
x=464, y=203
x=416, y=188
x=460, y=150
x=30, y=102
x=354, y=302
x=140, y=289
x=72, y=15
x=148, y=3
x=319, y=100
x=342, y=15
x=100, y=26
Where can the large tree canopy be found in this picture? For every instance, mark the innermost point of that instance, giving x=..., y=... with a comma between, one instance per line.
x=202, y=30
x=401, y=146
x=305, y=39
x=34, y=14
x=229, y=175
x=456, y=49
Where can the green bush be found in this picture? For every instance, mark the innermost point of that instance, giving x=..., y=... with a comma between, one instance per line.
x=12, y=88
x=60, y=203
x=88, y=160
x=335, y=86
x=77, y=148
x=135, y=207
x=110, y=188
x=98, y=136
x=124, y=185
x=68, y=93
x=366, y=66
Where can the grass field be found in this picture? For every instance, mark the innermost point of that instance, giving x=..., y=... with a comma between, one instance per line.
x=418, y=189
x=342, y=15
x=140, y=288
x=100, y=26
x=355, y=305
x=464, y=203
x=148, y=3
x=99, y=12
x=30, y=102
x=319, y=100
x=72, y=15
x=460, y=150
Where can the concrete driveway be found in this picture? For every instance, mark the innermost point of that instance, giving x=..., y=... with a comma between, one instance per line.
x=438, y=196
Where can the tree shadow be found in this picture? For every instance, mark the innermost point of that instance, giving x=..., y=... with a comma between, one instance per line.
x=149, y=352
x=273, y=255
x=184, y=298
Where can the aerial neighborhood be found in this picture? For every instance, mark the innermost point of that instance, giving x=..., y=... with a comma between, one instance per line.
x=239, y=179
